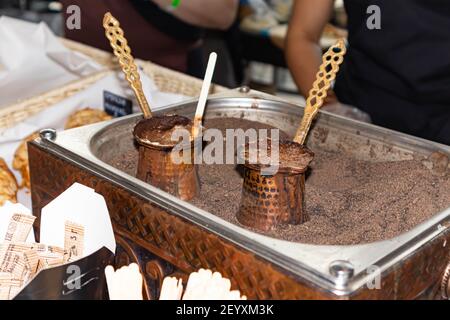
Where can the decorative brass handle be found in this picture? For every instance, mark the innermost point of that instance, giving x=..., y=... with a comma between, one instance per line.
x=122, y=51
x=331, y=61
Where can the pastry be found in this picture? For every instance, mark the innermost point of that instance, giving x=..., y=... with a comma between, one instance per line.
x=8, y=184
x=20, y=162
x=86, y=116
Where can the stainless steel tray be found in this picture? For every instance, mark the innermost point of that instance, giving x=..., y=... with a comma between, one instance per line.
x=88, y=145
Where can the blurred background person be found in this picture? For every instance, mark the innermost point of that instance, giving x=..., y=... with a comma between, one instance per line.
x=399, y=74
x=157, y=31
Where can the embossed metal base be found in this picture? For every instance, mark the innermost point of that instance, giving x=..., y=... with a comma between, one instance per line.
x=270, y=201
x=157, y=168
x=445, y=284
x=182, y=238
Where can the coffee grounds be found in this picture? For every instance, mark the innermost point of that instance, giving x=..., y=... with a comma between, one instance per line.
x=159, y=129
x=348, y=201
x=292, y=157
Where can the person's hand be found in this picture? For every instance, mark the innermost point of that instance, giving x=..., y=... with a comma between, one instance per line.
x=331, y=98
x=347, y=111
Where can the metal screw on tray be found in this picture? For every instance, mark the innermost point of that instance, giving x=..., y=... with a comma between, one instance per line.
x=48, y=134
x=343, y=271
x=154, y=134
x=269, y=201
x=244, y=89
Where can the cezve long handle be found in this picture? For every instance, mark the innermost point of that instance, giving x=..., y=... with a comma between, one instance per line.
x=122, y=51
x=331, y=61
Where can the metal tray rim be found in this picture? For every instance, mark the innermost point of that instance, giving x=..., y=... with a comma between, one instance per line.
x=409, y=241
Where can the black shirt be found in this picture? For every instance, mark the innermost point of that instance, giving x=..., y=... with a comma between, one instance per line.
x=400, y=74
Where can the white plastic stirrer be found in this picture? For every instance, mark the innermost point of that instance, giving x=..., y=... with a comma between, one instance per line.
x=204, y=94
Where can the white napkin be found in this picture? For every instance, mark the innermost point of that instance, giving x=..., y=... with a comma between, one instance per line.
x=33, y=61
x=81, y=205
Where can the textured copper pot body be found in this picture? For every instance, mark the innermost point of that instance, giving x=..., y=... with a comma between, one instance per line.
x=157, y=167
x=277, y=199
x=269, y=201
